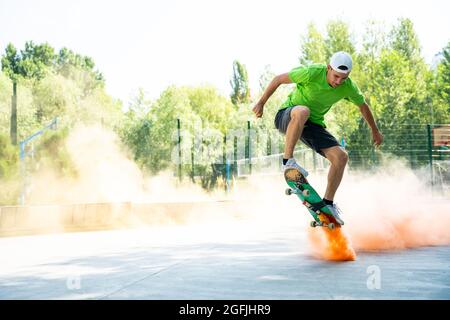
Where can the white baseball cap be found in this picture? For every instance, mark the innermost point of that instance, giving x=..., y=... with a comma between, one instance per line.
x=341, y=62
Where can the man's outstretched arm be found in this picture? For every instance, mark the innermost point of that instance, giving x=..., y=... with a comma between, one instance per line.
x=367, y=115
x=258, y=109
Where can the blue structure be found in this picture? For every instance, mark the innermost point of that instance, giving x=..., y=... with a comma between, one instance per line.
x=23, y=154
x=343, y=142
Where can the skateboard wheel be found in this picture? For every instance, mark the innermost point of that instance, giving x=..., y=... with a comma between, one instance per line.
x=331, y=226
x=288, y=191
x=306, y=193
x=313, y=224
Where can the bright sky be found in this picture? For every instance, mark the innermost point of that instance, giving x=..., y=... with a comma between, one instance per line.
x=153, y=44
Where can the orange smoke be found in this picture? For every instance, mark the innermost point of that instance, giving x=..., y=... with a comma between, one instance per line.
x=331, y=245
x=393, y=210
x=408, y=228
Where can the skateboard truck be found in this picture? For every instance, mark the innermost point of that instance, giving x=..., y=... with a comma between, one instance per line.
x=330, y=225
x=304, y=191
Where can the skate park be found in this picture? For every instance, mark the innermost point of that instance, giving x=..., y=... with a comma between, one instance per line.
x=146, y=159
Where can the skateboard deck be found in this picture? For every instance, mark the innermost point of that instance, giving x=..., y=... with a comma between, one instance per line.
x=300, y=186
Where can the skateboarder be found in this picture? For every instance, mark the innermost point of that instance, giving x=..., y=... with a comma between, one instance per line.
x=318, y=87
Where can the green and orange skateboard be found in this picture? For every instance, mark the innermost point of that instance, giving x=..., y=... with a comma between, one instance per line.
x=311, y=200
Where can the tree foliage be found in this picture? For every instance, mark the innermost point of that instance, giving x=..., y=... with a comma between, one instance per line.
x=404, y=93
x=203, y=114
x=313, y=46
x=239, y=84
x=338, y=38
x=441, y=86
x=405, y=40
x=49, y=85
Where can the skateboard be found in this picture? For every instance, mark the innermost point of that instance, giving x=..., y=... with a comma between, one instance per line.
x=299, y=186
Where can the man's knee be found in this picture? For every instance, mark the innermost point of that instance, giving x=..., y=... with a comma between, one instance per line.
x=300, y=113
x=343, y=157
x=338, y=156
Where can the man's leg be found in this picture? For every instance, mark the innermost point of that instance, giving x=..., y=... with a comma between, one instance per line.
x=338, y=158
x=299, y=116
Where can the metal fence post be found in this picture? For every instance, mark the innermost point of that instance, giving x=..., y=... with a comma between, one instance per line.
x=430, y=154
x=22, y=173
x=192, y=159
x=235, y=142
x=248, y=149
x=228, y=175
x=225, y=162
x=179, y=148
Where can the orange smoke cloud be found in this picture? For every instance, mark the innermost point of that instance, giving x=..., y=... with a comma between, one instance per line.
x=391, y=209
x=332, y=245
x=395, y=209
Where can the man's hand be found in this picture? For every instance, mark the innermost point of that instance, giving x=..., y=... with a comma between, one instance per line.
x=367, y=115
x=377, y=137
x=258, y=109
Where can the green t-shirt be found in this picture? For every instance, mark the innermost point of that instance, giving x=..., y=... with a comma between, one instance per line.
x=314, y=91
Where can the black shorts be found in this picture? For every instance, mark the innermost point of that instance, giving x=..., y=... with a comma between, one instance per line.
x=314, y=135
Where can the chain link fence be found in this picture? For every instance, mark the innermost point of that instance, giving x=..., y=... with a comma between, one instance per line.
x=256, y=152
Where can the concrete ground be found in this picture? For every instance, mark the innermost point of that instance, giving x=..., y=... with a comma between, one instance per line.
x=233, y=260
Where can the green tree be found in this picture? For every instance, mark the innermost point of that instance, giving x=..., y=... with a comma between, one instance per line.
x=66, y=86
x=36, y=59
x=11, y=66
x=8, y=158
x=312, y=46
x=31, y=63
x=442, y=88
x=49, y=98
x=338, y=38
x=9, y=171
x=11, y=62
x=265, y=78
x=399, y=96
x=404, y=39
x=203, y=114
x=366, y=61
x=67, y=61
x=239, y=84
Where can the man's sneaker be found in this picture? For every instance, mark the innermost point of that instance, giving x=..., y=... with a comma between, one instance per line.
x=292, y=164
x=336, y=213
